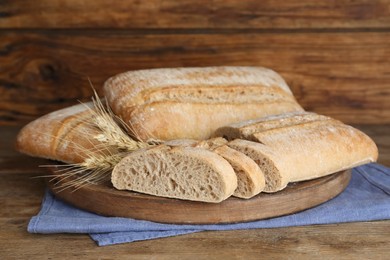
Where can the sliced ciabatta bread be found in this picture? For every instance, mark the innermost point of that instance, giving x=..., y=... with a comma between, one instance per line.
x=276, y=173
x=212, y=143
x=306, y=146
x=181, y=172
x=319, y=148
x=71, y=135
x=250, y=178
x=192, y=103
x=245, y=129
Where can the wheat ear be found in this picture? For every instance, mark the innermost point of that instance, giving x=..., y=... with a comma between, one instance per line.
x=113, y=144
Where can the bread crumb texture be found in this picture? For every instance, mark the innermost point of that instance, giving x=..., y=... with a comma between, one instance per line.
x=183, y=172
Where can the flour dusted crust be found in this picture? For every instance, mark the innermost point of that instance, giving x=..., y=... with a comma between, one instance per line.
x=316, y=149
x=61, y=135
x=179, y=103
x=301, y=146
x=141, y=80
x=245, y=129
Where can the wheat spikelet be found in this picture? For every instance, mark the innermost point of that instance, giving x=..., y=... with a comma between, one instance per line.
x=92, y=171
x=113, y=144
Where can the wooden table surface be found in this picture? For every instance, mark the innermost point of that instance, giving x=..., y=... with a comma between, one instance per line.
x=21, y=194
x=332, y=54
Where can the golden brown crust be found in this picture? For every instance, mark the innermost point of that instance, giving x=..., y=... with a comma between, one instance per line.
x=320, y=148
x=177, y=103
x=245, y=129
x=175, y=120
x=61, y=135
x=307, y=146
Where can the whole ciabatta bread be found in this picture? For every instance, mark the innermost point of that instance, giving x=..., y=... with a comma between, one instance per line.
x=192, y=103
x=83, y=133
x=182, y=172
x=62, y=135
x=299, y=146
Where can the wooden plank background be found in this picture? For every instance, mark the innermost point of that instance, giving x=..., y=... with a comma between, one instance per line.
x=195, y=14
x=335, y=55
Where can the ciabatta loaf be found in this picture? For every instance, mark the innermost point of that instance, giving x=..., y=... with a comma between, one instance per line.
x=192, y=103
x=181, y=172
x=245, y=129
x=301, y=147
x=81, y=134
x=62, y=135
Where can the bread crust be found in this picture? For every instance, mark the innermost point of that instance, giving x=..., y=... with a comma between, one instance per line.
x=175, y=120
x=192, y=103
x=245, y=129
x=57, y=135
x=306, y=145
x=319, y=148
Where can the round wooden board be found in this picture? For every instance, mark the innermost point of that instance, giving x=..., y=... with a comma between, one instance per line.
x=105, y=200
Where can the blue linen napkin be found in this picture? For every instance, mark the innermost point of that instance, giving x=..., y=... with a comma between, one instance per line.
x=366, y=198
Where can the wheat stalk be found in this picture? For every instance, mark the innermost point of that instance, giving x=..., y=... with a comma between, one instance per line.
x=113, y=145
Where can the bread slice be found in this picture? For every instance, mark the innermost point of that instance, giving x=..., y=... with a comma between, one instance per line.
x=179, y=103
x=250, y=179
x=188, y=173
x=276, y=173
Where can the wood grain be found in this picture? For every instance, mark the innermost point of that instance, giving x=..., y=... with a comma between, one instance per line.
x=195, y=14
x=381, y=136
x=106, y=200
x=334, y=54
x=363, y=240
x=343, y=75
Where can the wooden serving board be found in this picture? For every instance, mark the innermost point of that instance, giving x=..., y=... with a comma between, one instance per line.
x=105, y=200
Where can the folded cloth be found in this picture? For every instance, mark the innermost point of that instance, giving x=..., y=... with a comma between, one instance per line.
x=366, y=198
